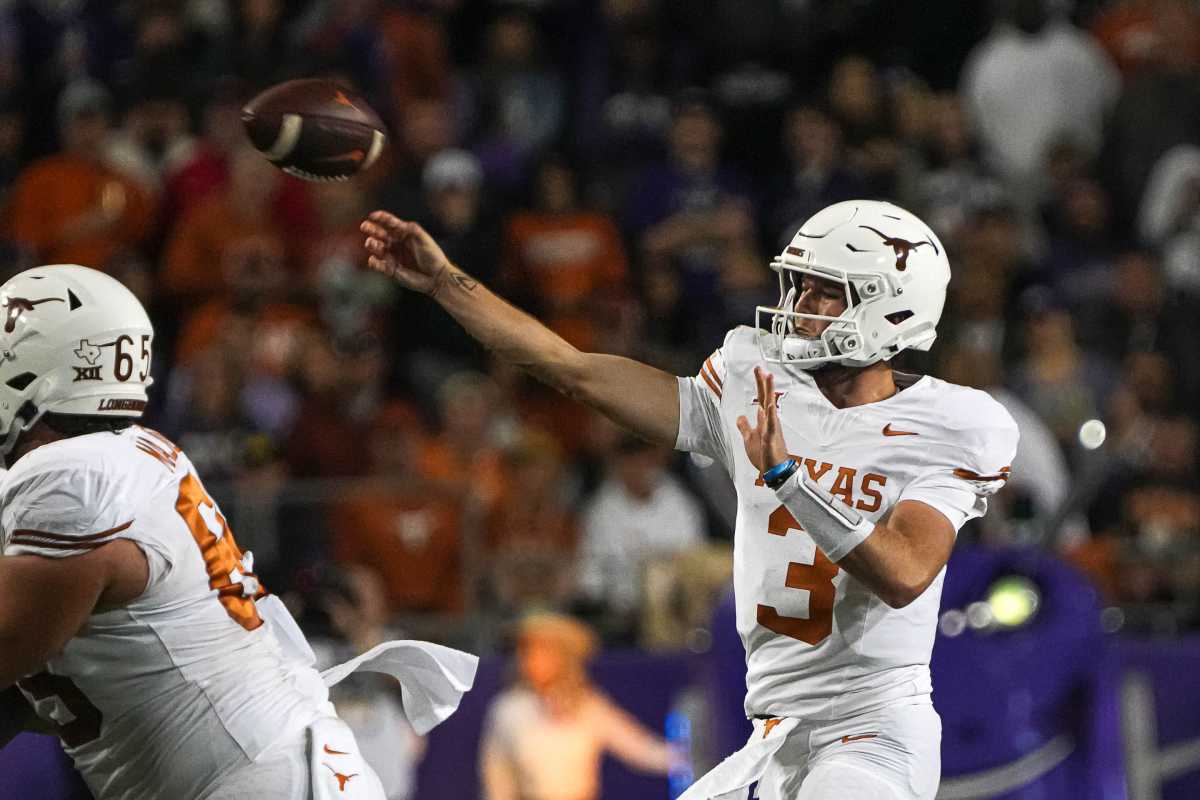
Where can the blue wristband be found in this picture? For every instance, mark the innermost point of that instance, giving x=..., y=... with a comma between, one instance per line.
x=777, y=470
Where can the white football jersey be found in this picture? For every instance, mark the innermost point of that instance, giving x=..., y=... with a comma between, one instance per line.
x=820, y=644
x=185, y=685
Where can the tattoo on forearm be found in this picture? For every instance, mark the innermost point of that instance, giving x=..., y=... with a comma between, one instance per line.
x=466, y=282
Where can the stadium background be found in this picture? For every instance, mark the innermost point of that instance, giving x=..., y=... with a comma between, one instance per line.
x=625, y=169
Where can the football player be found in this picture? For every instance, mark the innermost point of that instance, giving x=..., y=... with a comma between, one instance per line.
x=130, y=622
x=852, y=482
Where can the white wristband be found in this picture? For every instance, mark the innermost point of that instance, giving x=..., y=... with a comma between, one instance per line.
x=835, y=527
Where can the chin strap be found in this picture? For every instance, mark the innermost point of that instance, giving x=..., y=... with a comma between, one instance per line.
x=27, y=415
x=834, y=526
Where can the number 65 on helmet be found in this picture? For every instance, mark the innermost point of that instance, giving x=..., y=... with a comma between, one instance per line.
x=73, y=341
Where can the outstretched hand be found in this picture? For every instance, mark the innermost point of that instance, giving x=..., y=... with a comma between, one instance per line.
x=764, y=442
x=404, y=251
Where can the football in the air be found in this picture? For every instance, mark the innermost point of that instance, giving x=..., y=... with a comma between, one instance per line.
x=315, y=129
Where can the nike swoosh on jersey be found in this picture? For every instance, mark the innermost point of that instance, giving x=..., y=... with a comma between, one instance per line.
x=887, y=431
x=859, y=738
x=335, y=752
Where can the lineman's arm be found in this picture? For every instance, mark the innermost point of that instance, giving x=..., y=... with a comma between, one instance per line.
x=46, y=601
x=635, y=395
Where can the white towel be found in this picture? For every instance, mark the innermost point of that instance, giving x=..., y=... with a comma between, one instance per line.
x=432, y=678
x=729, y=779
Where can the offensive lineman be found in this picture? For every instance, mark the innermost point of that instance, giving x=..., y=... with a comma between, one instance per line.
x=852, y=481
x=129, y=619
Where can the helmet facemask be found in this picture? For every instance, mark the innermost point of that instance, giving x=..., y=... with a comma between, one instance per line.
x=841, y=341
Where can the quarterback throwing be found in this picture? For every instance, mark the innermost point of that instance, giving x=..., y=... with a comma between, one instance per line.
x=852, y=482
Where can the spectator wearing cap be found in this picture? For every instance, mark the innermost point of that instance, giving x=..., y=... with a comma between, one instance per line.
x=544, y=737
x=640, y=511
x=457, y=215
x=73, y=207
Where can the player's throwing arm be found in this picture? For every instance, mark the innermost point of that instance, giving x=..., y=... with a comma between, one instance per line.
x=635, y=395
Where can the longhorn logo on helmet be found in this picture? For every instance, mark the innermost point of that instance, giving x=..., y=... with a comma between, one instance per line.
x=901, y=247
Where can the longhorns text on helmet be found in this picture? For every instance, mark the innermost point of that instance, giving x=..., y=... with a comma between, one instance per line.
x=894, y=272
x=74, y=341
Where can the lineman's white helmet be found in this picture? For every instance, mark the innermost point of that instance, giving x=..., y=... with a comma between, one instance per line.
x=893, y=269
x=73, y=341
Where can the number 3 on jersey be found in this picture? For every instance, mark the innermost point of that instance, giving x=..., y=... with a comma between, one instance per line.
x=229, y=572
x=816, y=577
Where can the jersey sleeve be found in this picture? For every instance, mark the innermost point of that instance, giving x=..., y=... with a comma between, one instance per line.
x=71, y=509
x=700, y=427
x=977, y=468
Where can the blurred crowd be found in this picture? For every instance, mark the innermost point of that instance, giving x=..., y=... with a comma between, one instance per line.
x=623, y=169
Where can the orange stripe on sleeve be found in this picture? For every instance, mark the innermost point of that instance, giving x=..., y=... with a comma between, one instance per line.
x=711, y=383
x=967, y=474
x=31, y=535
x=713, y=372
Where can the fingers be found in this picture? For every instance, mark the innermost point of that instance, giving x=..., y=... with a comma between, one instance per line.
x=772, y=418
x=372, y=229
x=390, y=223
x=765, y=381
x=381, y=265
x=743, y=426
x=389, y=228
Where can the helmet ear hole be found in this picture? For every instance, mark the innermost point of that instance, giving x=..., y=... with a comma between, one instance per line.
x=22, y=381
x=896, y=317
x=27, y=411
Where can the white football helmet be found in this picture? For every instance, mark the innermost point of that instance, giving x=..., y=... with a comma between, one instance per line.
x=74, y=341
x=893, y=269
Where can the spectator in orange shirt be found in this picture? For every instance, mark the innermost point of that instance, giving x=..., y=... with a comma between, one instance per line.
x=72, y=208
x=532, y=534
x=1136, y=32
x=564, y=259
x=257, y=300
x=402, y=525
x=218, y=229
x=466, y=445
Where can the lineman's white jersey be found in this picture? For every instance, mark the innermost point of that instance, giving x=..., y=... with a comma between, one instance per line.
x=185, y=685
x=820, y=644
